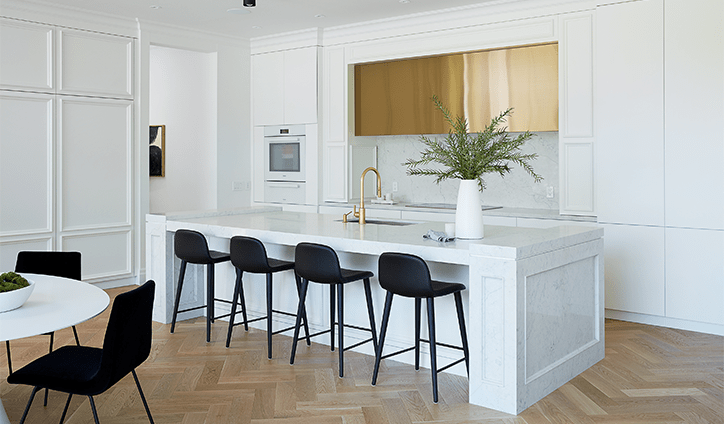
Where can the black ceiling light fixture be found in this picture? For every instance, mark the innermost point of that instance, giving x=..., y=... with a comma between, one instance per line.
x=249, y=3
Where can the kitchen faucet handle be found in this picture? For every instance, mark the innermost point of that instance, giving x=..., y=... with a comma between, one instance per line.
x=344, y=216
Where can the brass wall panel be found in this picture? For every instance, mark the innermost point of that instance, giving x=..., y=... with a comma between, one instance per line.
x=393, y=98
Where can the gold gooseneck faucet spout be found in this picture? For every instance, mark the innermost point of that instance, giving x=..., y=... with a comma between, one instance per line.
x=361, y=213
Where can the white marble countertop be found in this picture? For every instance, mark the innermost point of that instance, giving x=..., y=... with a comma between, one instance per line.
x=290, y=228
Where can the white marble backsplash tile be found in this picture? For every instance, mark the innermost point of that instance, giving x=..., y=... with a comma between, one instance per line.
x=516, y=190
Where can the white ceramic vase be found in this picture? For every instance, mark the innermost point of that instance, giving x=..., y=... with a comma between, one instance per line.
x=469, y=213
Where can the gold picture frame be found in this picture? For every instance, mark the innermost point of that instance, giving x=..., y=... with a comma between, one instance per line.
x=157, y=151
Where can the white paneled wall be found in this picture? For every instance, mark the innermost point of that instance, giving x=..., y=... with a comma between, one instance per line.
x=66, y=131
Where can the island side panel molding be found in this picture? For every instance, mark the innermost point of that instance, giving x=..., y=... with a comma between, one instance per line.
x=539, y=301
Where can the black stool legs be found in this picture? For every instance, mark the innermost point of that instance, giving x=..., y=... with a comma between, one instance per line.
x=336, y=291
x=209, y=298
x=432, y=341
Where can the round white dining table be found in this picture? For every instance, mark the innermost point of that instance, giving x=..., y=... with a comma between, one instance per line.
x=55, y=303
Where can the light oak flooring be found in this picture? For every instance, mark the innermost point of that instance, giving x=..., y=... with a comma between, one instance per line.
x=649, y=375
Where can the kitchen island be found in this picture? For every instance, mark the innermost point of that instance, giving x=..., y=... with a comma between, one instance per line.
x=534, y=302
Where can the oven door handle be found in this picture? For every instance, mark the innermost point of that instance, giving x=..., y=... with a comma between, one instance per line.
x=273, y=184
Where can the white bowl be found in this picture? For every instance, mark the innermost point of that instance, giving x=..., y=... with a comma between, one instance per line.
x=15, y=299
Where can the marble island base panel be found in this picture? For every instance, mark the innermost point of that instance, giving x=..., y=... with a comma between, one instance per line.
x=534, y=298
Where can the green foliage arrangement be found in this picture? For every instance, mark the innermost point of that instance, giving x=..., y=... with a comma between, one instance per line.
x=10, y=281
x=470, y=156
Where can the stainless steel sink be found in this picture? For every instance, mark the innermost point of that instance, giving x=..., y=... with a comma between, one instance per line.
x=380, y=222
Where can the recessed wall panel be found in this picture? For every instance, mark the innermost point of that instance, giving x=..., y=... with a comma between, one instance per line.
x=95, y=147
x=103, y=254
x=26, y=56
x=26, y=166
x=9, y=250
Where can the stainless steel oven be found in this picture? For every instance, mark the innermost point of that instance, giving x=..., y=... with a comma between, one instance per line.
x=285, y=153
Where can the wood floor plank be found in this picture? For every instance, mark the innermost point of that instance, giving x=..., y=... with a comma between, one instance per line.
x=649, y=375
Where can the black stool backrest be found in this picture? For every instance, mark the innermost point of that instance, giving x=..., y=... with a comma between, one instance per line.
x=249, y=254
x=405, y=275
x=318, y=263
x=191, y=246
x=58, y=264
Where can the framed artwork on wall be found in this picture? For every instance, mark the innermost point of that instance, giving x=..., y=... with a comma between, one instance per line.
x=157, y=153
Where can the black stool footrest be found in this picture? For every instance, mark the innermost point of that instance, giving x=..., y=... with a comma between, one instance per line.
x=191, y=309
x=357, y=344
x=450, y=365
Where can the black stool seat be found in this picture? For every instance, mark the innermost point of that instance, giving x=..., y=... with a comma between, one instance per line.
x=319, y=263
x=409, y=276
x=191, y=247
x=249, y=255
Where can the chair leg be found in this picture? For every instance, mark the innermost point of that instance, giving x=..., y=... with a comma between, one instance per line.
x=332, y=318
x=300, y=309
x=30, y=401
x=65, y=410
x=209, y=300
x=243, y=300
x=75, y=333
x=93, y=408
x=10, y=362
x=383, y=332
x=433, y=346
x=235, y=296
x=306, y=321
x=181, y=274
x=143, y=398
x=418, y=307
x=340, y=327
x=269, y=315
x=463, y=332
x=371, y=312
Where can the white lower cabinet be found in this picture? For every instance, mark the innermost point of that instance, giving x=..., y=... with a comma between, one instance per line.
x=549, y=223
x=695, y=275
x=634, y=261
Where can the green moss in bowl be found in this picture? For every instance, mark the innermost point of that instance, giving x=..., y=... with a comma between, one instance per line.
x=10, y=281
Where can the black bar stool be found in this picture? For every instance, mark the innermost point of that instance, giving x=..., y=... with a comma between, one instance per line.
x=319, y=263
x=249, y=255
x=408, y=275
x=191, y=247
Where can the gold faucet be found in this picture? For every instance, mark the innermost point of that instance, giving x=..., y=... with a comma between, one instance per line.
x=361, y=213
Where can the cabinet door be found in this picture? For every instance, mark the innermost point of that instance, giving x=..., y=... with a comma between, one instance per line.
x=95, y=64
x=695, y=275
x=694, y=109
x=268, y=88
x=300, y=86
x=26, y=171
x=95, y=139
x=634, y=258
x=630, y=111
x=26, y=56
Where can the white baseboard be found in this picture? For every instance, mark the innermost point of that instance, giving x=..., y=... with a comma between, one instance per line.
x=680, y=324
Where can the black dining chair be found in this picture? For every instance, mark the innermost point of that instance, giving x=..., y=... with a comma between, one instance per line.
x=90, y=371
x=57, y=264
x=409, y=276
x=249, y=255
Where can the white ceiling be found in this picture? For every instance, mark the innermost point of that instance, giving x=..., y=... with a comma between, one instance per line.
x=270, y=16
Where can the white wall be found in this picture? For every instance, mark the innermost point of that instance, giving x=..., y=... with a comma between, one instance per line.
x=183, y=96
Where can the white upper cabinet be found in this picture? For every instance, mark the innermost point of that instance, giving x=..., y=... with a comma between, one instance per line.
x=93, y=64
x=285, y=87
x=630, y=113
x=694, y=64
x=26, y=56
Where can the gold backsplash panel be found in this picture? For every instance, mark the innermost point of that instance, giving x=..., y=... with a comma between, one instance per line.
x=393, y=98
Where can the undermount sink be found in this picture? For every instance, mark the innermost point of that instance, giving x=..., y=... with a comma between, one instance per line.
x=380, y=222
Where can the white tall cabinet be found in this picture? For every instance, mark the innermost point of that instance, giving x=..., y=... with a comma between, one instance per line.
x=66, y=137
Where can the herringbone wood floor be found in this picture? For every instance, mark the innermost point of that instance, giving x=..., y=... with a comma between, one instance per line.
x=649, y=375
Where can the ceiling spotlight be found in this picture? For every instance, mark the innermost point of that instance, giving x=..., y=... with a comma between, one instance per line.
x=249, y=3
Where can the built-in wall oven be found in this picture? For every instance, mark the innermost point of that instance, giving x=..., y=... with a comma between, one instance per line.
x=285, y=167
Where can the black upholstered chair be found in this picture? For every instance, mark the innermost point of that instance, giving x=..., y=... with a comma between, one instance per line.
x=191, y=247
x=89, y=371
x=249, y=255
x=409, y=276
x=319, y=263
x=57, y=264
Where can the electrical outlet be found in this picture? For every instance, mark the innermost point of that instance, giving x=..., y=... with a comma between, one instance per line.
x=549, y=192
x=394, y=186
